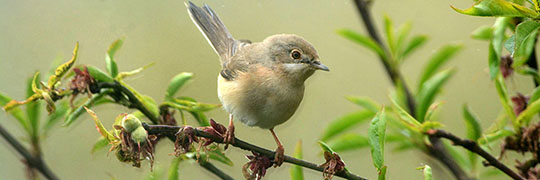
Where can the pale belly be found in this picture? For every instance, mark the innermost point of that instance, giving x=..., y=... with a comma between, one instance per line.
x=255, y=102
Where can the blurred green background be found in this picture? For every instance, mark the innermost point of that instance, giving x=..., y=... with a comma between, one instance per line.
x=34, y=33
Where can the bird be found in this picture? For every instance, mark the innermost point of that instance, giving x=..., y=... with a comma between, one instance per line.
x=260, y=83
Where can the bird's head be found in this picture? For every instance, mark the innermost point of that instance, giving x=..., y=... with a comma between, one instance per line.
x=294, y=55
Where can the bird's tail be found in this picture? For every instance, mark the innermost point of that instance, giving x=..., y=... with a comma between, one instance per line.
x=213, y=29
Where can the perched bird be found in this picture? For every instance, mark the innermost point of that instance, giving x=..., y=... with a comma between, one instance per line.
x=262, y=83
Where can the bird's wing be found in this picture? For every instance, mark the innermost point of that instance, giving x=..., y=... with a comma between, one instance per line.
x=215, y=32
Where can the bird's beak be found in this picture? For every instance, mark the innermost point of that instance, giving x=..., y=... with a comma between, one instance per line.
x=318, y=65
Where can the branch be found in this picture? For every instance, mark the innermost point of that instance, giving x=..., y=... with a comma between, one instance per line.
x=172, y=130
x=473, y=147
x=32, y=161
x=437, y=150
x=134, y=102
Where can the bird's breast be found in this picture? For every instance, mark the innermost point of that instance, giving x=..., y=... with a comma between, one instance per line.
x=260, y=97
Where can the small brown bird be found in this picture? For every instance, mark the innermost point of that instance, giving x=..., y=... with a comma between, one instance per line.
x=262, y=83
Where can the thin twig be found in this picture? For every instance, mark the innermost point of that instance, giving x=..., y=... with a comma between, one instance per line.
x=172, y=130
x=32, y=161
x=213, y=169
x=437, y=149
x=475, y=148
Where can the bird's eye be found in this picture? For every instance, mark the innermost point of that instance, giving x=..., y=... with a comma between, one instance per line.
x=295, y=54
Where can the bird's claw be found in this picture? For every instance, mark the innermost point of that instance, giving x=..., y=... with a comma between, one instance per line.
x=228, y=137
x=279, y=157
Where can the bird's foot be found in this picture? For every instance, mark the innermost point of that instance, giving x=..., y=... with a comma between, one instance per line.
x=228, y=137
x=279, y=157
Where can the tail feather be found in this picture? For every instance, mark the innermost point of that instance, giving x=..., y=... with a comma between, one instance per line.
x=213, y=29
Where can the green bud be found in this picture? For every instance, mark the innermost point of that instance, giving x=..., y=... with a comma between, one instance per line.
x=131, y=123
x=139, y=135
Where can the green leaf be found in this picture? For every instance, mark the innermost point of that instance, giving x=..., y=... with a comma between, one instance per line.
x=429, y=90
x=61, y=110
x=365, y=102
x=189, y=105
x=376, y=133
x=427, y=173
x=156, y=174
x=535, y=95
x=525, y=117
x=297, y=172
x=99, y=75
x=415, y=43
x=457, y=155
x=218, y=155
x=173, y=169
x=505, y=101
x=406, y=118
x=199, y=116
x=389, y=30
x=147, y=102
x=349, y=141
x=525, y=40
x=100, y=144
x=346, y=122
x=483, y=33
x=112, y=68
x=362, y=40
x=401, y=34
x=123, y=75
x=326, y=148
x=176, y=83
x=498, y=8
x=474, y=131
x=510, y=44
x=75, y=113
x=33, y=108
x=16, y=112
x=437, y=60
x=382, y=173
x=495, y=46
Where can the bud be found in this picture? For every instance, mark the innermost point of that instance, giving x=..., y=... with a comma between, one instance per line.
x=131, y=123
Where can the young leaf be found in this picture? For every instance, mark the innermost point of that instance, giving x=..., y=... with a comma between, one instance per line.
x=401, y=34
x=147, y=102
x=488, y=138
x=173, y=169
x=535, y=95
x=429, y=90
x=99, y=126
x=33, y=108
x=176, y=83
x=376, y=133
x=365, y=102
x=61, y=111
x=326, y=148
x=112, y=68
x=437, y=60
x=525, y=39
x=474, y=131
x=389, y=30
x=62, y=69
x=16, y=112
x=498, y=8
x=531, y=110
x=346, y=122
x=406, y=118
x=123, y=75
x=495, y=45
x=483, y=33
x=362, y=40
x=100, y=144
x=503, y=97
x=348, y=142
x=415, y=43
x=99, y=75
x=297, y=172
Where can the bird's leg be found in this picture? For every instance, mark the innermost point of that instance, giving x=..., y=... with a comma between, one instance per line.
x=229, y=134
x=279, y=157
